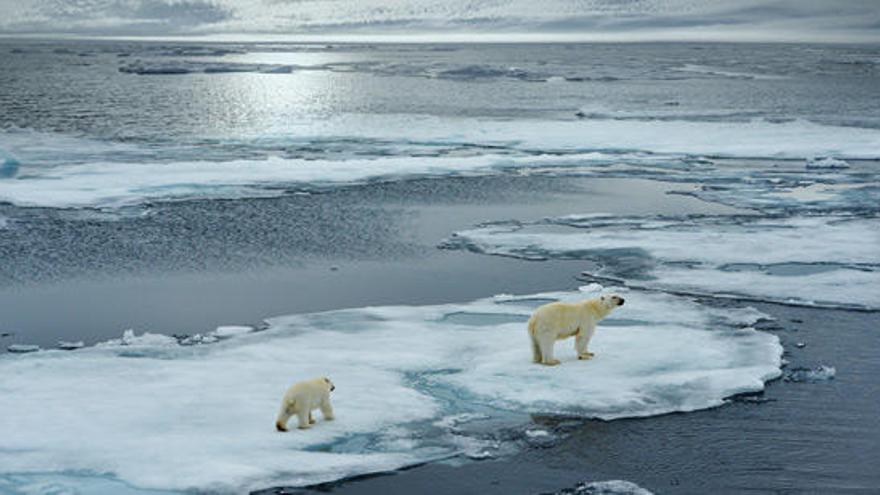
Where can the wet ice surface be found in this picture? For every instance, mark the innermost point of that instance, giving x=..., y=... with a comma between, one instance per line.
x=153, y=414
x=822, y=260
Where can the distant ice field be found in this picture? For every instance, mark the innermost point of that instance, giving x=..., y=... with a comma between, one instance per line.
x=47, y=170
x=813, y=261
x=146, y=412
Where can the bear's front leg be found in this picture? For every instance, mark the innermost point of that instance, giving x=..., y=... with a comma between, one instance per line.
x=580, y=345
x=327, y=410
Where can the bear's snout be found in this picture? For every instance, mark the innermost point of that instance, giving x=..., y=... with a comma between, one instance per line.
x=620, y=301
x=332, y=387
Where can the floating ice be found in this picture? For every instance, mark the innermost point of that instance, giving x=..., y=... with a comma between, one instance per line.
x=714, y=71
x=821, y=373
x=22, y=348
x=153, y=414
x=70, y=346
x=232, y=330
x=827, y=163
x=188, y=67
x=71, y=172
x=831, y=261
x=610, y=487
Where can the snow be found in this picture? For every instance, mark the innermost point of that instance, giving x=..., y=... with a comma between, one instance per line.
x=152, y=414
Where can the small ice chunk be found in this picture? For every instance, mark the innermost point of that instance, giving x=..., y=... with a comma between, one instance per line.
x=610, y=487
x=537, y=433
x=129, y=338
x=826, y=163
x=591, y=288
x=23, y=348
x=69, y=346
x=232, y=331
x=808, y=375
x=801, y=345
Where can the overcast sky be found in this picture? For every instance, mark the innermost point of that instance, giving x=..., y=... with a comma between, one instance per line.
x=753, y=20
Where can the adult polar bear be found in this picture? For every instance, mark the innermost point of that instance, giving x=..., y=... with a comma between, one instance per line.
x=559, y=320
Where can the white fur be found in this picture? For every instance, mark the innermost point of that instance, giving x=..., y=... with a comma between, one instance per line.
x=559, y=320
x=302, y=398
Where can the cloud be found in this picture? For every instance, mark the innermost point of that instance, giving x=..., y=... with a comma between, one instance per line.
x=816, y=20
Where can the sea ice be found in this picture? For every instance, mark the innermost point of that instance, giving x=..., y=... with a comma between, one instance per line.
x=822, y=260
x=821, y=373
x=231, y=330
x=70, y=346
x=154, y=414
x=826, y=163
x=22, y=348
x=610, y=487
x=70, y=172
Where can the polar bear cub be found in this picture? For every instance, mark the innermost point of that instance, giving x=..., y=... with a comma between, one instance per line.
x=304, y=397
x=559, y=320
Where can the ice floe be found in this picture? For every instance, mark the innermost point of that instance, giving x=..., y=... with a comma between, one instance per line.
x=818, y=374
x=821, y=261
x=22, y=348
x=827, y=163
x=723, y=72
x=70, y=346
x=189, y=67
x=152, y=414
x=610, y=487
x=71, y=172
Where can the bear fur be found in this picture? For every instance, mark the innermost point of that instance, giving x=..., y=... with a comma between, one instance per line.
x=304, y=397
x=559, y=320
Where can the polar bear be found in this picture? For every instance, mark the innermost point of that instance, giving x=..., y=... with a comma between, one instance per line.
x=559, y=320
x=302, y=398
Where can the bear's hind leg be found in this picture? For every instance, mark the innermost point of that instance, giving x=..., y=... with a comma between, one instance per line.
x=311, y=419
x=536, y=350
x=283, y=417
x=545, y=345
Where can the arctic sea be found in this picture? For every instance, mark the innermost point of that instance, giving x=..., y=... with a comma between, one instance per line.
x=187, y=228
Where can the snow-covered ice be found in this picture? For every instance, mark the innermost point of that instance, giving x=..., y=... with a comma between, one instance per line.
x=154, y=414
x=818, y=260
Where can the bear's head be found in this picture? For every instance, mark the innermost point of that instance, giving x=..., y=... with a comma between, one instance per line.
x=329, y=384
x=612, y=301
